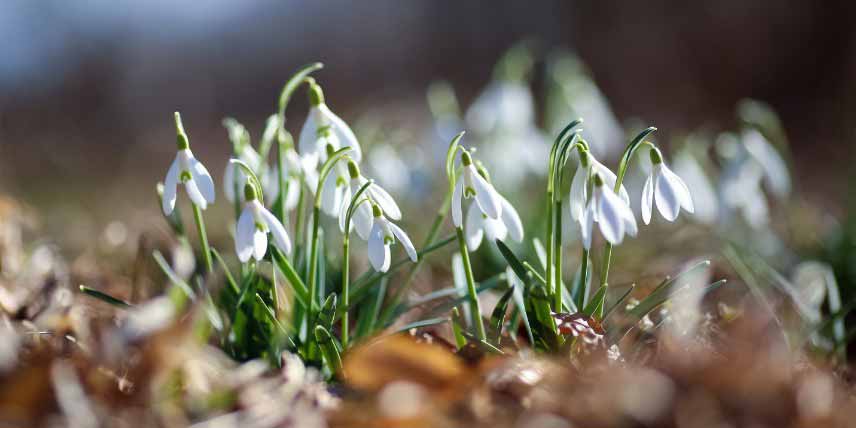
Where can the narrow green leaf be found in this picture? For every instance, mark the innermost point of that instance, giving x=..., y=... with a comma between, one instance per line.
x=104, y=297
x=328, y=349
x=497, y=317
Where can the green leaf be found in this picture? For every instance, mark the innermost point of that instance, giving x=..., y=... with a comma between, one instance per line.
x=300, y=291
x=367, y=319
x=328, y=349
x=181, y=290
x=596, y=303
x=104, y=297
x=328, y=312
x=419, y=324
x=458, y=327
x=497, y=317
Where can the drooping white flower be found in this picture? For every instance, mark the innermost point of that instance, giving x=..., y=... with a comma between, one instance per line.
x=253, y=226
x=578, y=194
x=234, y=178
x=611, y=213
x=666, y=189
x=383, y=234
x=323, y=128
x=503, y=105
x=471, y=184
x=292, y=171
x=186, y=170
x=362, y=217
x=704, y=195
x=478, y=225
x=775, y=169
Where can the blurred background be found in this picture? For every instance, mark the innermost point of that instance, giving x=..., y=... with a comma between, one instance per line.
x=87, y=89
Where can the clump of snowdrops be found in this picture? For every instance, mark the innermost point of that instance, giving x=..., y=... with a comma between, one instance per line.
x=289, y=293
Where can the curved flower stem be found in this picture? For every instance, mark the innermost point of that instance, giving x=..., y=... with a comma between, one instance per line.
x=203, y=238
x=395, y=298
x=282, y=139
x=622, y=170
x=313, y=258
x=471, y=286
x=300, y=222
x=346, y=300
x=557, y=254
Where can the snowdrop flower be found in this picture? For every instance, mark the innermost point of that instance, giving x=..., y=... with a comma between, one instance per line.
x=293, y=168
x=775, y=169
x=666, y=189
x=383, y=234
x=233, y=182
x=478, y=225
x=185, y=169
x=334, y=187
x=323, y=128
x=470, y=184
x=362, y=217
x=253, y=226
x=505, y=104
x=579, y=184
x=704, y=195
x=610, y=212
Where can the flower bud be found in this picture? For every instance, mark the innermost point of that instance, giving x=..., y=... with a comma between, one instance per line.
x=182, y=141
x=250, y=192
x=466, y=159
x=353, y=169
x=656, y=156
x=316, y=94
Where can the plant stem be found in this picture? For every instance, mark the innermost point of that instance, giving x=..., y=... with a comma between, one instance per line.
x=203, y=238
x=300, y=224
x=581, y=286
x=550, y=239
x=280, y=164
x=429, y=240
x=346, y=300
x=471, y=287
x=313, y=258
x=557, y=255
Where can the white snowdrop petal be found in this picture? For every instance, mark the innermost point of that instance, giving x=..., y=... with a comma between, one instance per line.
x=587, y=226
x=292, y=193
x=495, y=229
x=405, y=241
x=665, y=197
x=511, y=220
x=307, y=142
x=170, y=185
x=775, y=169
x=609, y=179
x=362, y=220
x=277, y=230
x=377, y=249
x=385, y=201
x=647, y=199
x=681, y=190
x=630, y=226
x=486, y=196
x=229, y=182
x=260, y=242
x=343, y=132
x=609, y=216
x=457, y=196
x=203, y=180
x=331, y=196
x=244, y=235
x=577, y=195
x=194, y=194
x=473, y=231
